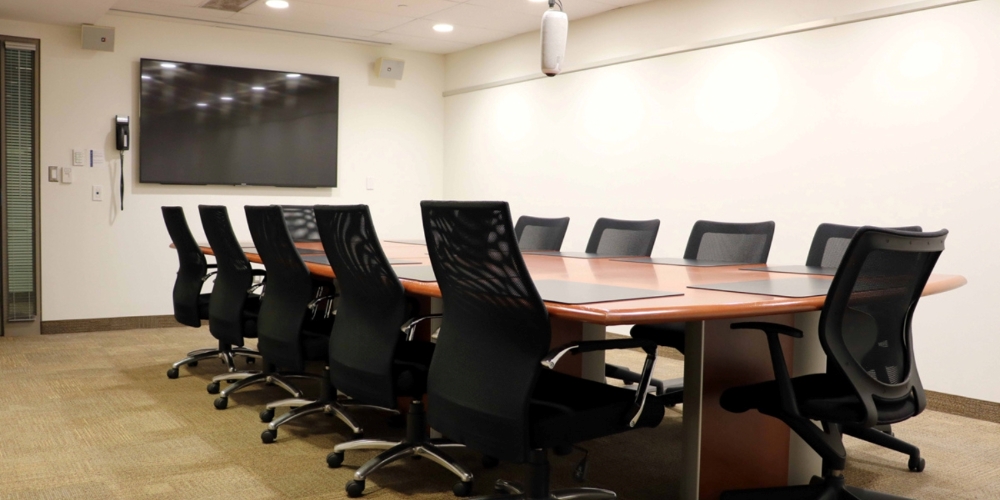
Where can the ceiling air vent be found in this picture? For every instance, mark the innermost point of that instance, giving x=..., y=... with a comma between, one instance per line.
x=228, y=5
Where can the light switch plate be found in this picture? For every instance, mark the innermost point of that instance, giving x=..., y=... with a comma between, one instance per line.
x=96, y=192
x=53, y=174
x=80, y=157
x=67, y=175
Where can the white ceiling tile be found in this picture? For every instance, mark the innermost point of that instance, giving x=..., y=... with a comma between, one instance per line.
x=312, y=13
x=186, y=3
x=299, y=26
x=411, y=8
x=462, y=34
x=55, y=11
x=161, y=8
x=432, y=45
x=621, y=3
x=576, y=9
x=478, y=16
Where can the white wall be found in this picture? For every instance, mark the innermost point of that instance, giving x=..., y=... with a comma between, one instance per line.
x=99, y=263
x=886, y=122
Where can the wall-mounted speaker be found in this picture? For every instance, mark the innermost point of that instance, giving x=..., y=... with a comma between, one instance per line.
x=98, y=38
x=390, y=68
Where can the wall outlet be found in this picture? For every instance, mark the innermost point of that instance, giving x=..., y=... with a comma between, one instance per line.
x=96, y=192
x=67, y=175
x=53, y=174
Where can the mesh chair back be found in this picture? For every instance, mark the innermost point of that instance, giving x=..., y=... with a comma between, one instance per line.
x=192, y=267
x=494, y=333
x=865, y=323
x=536, y=233
x=623, y=238
x=372, y=306
x=301, y=222
x=289, y=289
x=830, y=242
x=743, y=243
x=234, y=276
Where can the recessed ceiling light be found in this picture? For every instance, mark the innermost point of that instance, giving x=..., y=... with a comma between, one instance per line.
x=293, y=75
x=443, y=28
x=226, y=98
x=202, y=104
x=147, y=77
x=168, y=65
x=258, y=89
x=276, y=4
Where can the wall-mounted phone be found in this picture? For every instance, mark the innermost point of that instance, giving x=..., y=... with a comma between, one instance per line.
x=122, y=135
x=122, y=140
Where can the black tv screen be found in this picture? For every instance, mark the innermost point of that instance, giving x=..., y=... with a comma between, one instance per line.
x=204, y=124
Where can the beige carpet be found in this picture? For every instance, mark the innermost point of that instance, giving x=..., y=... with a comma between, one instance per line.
x=94, y=416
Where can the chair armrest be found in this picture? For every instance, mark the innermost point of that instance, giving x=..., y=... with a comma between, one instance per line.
x=786, y=391
x=258, y=272
x=410, y=327
x=635, y=412
x=207, y=276
x=553, y=357
x=212, y=266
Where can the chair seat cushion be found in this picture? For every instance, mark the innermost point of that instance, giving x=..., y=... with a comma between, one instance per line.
x=567, y=410
x=819, y=397
x=409, y=368
x=665, y=334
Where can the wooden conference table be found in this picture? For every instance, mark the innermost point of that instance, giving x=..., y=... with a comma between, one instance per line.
x=720, y=450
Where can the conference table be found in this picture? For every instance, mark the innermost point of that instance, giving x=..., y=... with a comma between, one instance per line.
x=720, y=450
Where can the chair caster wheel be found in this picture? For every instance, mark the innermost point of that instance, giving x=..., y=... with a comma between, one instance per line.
x=917, y=464
x=267, y=415
x=212, y=388
x=334, y=459
x=490, y=462
x=172, y=373
x=221, y=403
x=251, y=361
x=462, y=489
x=193, y=364
x=268, y=436
x=355, y=488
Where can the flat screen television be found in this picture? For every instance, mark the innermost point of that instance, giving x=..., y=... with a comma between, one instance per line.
x=205, y=124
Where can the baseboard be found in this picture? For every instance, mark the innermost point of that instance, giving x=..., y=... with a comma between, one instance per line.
x=963, y=406
x=107, y=324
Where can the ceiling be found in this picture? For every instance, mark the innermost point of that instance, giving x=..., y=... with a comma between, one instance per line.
x=402, y=23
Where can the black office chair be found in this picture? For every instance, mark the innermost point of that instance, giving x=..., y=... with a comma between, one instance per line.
x=232, y=310
x=623, y=238
x=373, y=356
x=291, y=330
x=827, y=250
x=872, y=379
x=738, y=243
x=538, y=234
x=190, y=305
x=301, y=222
x=234, y=306
x=488, y=387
